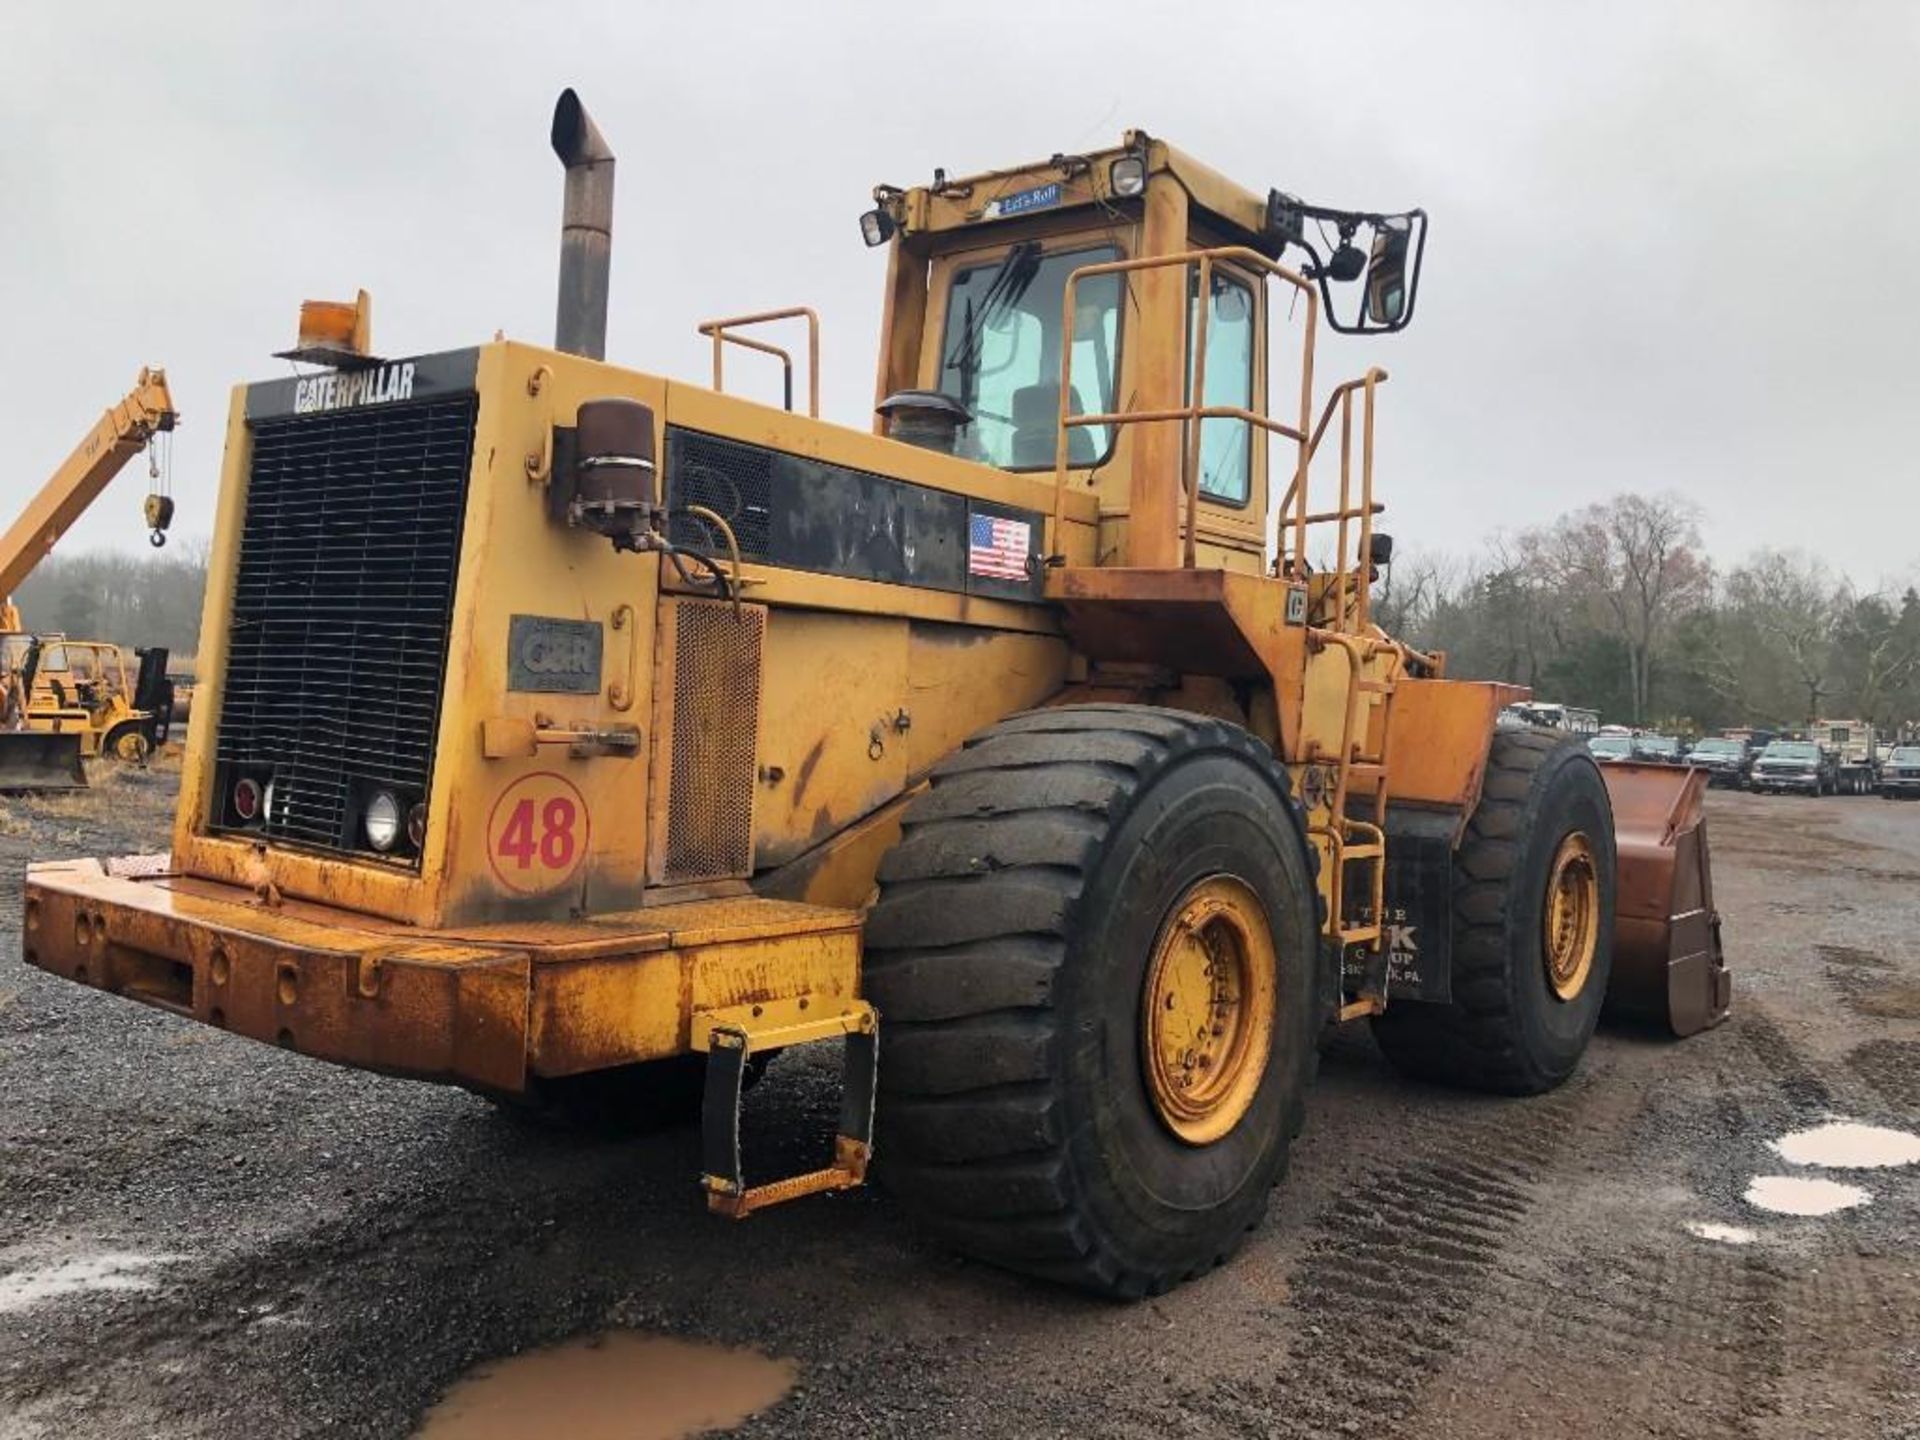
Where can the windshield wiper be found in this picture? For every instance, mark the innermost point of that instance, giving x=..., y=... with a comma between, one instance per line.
x=1005, y=290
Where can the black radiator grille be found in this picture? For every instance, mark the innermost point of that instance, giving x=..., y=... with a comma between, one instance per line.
x=342, y=607
x=727, y=476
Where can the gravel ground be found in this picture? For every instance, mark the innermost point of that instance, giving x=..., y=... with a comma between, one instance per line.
x=256, y=1244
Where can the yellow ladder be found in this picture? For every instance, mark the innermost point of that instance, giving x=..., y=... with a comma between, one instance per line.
x=1362, y=842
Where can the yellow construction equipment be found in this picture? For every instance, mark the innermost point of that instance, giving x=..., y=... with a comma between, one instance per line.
x=79, y=701
x=87, y=688
x=587, y=738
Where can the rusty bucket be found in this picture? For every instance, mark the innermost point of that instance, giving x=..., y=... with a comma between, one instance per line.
x=34, y=762
x=1668, y=967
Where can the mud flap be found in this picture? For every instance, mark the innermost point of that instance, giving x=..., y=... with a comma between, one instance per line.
x=1668, y=966
x=34, y=762
x=1419, y=916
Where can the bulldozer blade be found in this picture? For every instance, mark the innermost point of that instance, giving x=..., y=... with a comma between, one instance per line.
x=36, y=761
x=1668, y=966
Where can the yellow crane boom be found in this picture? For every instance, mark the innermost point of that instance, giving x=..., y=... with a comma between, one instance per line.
x=120, y=434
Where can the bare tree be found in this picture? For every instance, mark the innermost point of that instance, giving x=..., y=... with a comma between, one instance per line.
x=1876, y=651
x=1635, y=564
x=149, y=598
x=1792, y=599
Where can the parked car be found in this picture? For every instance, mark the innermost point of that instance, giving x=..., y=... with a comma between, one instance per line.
x=1793, y=765
x=1754, y=740
x=1658, y=749
x=1609, y=749
x=1725, y=761
x=1900, y=776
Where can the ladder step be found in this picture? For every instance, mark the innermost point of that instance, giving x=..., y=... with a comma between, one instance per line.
x=1361, y=852
x=1364, y=1006
x=729, y=1036
x=1374, y=687
x=1359, y=935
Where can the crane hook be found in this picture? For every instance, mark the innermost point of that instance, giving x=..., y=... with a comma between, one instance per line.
x=159, y=509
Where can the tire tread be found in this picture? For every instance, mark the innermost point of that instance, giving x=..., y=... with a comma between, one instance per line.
x=965, y=948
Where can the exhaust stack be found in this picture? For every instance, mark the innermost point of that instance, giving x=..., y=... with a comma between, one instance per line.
x=586, y=230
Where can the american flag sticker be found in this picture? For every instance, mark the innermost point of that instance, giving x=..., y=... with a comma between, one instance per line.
x=997, y=548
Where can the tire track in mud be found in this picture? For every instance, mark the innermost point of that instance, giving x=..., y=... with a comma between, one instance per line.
x=1889, y=1069
x=1867, y=1344
x=1669, y=1334
x=1871, y=985
x=1395, y=1269
x=1805, y=1092
x=1892, y=1068
x=1674, y=1338
x=1517, y=1299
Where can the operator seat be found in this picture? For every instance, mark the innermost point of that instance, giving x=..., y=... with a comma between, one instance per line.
x=1036, y=413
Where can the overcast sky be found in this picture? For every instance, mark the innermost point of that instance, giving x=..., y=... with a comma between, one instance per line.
x=1673, y=245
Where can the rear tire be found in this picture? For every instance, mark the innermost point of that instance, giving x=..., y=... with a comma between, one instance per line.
x=1017, y=955
x=1507, y=1030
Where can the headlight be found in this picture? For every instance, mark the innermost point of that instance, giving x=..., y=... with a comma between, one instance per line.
x=382, y=821
x=266, y=802
x=417, y=825
x=1127, y=176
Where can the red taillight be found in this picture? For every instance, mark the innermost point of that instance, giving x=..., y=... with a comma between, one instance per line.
x=246, y=799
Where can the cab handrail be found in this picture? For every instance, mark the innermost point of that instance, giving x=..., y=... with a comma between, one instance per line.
x=1291, y=517
x=721, y=333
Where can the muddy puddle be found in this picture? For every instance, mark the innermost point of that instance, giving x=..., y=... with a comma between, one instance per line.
x=1794, y=1195
x=617, y=1385
x=1843, y=1145
x=1722, y=1234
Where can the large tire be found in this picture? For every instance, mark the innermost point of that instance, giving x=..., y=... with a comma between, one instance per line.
x=1009, y=954
x=1507, y=1030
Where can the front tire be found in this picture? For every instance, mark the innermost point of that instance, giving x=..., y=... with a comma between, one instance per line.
x=1094, y=954
x=127, y=741
x=1533, y=902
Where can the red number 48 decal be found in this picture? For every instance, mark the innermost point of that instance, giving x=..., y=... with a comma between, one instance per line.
x=555, y=846
x=535, y=830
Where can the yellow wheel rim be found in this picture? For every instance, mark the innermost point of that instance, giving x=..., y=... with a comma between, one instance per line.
x=1208, y=1009
x=129, y=747
x=1571, y=923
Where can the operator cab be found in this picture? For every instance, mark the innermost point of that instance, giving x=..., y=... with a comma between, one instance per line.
x=1001, y=284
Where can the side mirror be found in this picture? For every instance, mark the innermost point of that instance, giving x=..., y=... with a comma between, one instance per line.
x=1387, y=274
x=1392, y=275
x=1385, y=249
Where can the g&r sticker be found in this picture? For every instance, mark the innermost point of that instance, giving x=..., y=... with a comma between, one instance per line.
x=537, y=835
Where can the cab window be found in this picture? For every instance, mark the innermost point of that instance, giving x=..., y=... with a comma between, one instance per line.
x=1001, y=350
x=1226, y=446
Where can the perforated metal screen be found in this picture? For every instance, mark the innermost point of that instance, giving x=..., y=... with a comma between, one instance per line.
x=716, y=727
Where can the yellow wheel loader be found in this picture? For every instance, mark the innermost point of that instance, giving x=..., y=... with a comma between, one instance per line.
x=35, y=758
x=75, y=700
x=587, y=738
x=86, y=688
